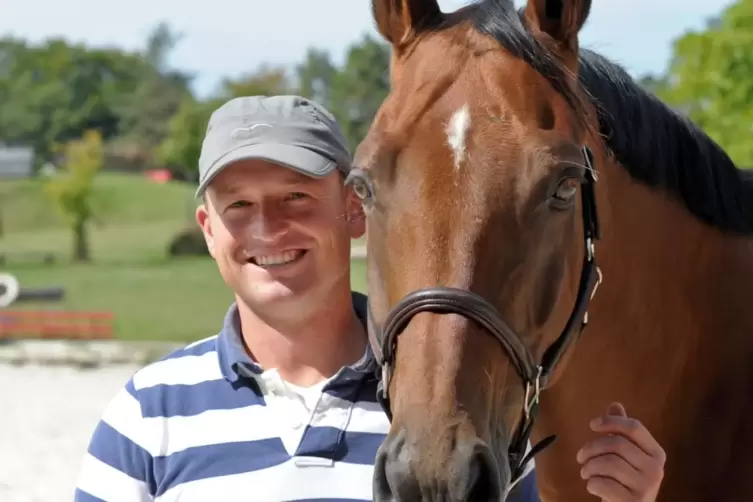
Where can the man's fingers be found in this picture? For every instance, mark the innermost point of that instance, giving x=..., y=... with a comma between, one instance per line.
x=625, y=463
x=616, y=409
x=608, y=489
x=631, y=429
x=614, y=467
x=615, y=445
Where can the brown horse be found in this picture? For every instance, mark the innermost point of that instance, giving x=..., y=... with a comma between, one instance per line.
x=502, y=154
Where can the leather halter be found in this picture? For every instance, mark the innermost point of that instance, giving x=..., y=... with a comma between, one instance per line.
x=448, y=300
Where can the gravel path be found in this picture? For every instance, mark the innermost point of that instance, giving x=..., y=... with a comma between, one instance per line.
x=47, y=415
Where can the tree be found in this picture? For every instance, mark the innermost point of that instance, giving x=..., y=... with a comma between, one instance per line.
x=146, y=112
x=181, y=148
x=73, y=189
x=360, y=87
x=710, y=78
x=265, y=80
x=315, y=76
x=653, y=83
x=51, y=93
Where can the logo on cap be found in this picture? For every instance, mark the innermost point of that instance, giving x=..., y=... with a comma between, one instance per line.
x=248, y=132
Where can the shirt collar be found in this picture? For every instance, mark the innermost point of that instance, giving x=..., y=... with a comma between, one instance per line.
x=235, y=362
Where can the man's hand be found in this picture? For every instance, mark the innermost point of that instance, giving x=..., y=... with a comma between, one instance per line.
x=623, y=464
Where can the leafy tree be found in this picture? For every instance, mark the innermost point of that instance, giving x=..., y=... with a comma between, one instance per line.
x=710, y=78
x=654, y=84
x=181, y=148
x=315, y=77
x=73, y=189
x=51, y=93
x=146, y=112
x=359, y=88
x=266, y=80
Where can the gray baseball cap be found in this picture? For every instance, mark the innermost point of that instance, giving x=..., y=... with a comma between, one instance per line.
x=288, y=130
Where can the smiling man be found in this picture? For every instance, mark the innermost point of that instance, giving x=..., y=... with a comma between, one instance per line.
x=281, y=404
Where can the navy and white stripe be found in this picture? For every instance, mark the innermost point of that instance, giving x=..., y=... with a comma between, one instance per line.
x=206, y=423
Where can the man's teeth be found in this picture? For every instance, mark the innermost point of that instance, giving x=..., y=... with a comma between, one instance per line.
x=277, y=259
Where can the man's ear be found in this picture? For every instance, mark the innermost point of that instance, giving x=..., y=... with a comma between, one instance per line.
x=205, y=223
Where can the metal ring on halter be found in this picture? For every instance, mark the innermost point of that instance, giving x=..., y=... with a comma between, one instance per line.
x=598, y=282
x=532, y=400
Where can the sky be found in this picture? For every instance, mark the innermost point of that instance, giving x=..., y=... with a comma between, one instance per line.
x=226, y=38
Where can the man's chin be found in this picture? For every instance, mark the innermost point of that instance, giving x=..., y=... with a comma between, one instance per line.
x=274, y=294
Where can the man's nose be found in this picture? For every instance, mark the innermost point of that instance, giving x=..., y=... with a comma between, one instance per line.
x=268, y=225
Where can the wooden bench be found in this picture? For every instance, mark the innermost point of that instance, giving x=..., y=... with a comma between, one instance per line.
x=55, y=324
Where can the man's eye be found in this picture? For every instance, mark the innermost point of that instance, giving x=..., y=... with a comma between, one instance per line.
x=238, y=204
x=297, y=195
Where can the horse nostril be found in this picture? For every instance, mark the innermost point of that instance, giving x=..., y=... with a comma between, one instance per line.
x=381, y=485
x=484, y=482
x=470, y=475
x=393, y=479
x=481, y=487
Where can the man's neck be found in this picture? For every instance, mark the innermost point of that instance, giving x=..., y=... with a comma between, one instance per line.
x=306, y=351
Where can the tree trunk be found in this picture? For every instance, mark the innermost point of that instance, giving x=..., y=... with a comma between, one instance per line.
x=80, y=243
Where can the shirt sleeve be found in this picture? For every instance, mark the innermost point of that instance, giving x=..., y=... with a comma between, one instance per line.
x=118, y=464
x=526, y=490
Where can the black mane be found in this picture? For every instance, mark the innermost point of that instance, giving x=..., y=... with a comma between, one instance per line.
x=655, y=144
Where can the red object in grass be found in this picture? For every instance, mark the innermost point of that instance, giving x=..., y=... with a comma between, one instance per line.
x=159, y=175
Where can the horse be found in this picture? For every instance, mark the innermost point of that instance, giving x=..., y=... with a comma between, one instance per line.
x=544, y=237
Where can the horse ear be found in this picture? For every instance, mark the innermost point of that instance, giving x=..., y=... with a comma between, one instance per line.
x=560, y=19
x=400, y=20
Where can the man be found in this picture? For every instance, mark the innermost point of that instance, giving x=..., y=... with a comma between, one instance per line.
x=280, y=405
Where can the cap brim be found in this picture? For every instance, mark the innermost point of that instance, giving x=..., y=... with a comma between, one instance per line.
x=297, y=158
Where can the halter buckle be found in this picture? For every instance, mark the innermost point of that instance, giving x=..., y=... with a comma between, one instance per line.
x=533, y=393
x=590, y=249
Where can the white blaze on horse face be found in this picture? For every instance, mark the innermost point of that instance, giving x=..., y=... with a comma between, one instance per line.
x=457, y=134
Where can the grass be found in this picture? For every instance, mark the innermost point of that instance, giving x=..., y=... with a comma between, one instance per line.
x=151, y=296
x=119, y=199
x=182, y=300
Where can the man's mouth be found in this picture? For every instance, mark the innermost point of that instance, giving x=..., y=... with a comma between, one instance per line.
x=279, y=259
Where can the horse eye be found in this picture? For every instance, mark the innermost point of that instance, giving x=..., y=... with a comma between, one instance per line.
x=566, y=189
x=360, y=185
x=362, y=190
x=564, y=194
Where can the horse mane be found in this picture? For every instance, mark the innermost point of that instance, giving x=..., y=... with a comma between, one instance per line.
x=657, y=145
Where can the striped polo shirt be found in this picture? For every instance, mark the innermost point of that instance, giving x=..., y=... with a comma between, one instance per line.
x=208, y=423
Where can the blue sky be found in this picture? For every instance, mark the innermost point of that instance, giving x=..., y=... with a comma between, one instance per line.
x=230, y=37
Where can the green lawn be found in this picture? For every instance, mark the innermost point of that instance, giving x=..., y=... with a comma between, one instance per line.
x=181, y=299
x=119, y=199
x=152, y=297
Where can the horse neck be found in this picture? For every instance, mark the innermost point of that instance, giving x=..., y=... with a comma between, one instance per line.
x=670, y=336
x=685, y=284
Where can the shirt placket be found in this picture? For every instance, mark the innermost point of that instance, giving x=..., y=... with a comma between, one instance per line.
x=287, y=409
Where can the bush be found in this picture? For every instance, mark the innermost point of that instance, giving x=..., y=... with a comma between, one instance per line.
x=190, y=242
